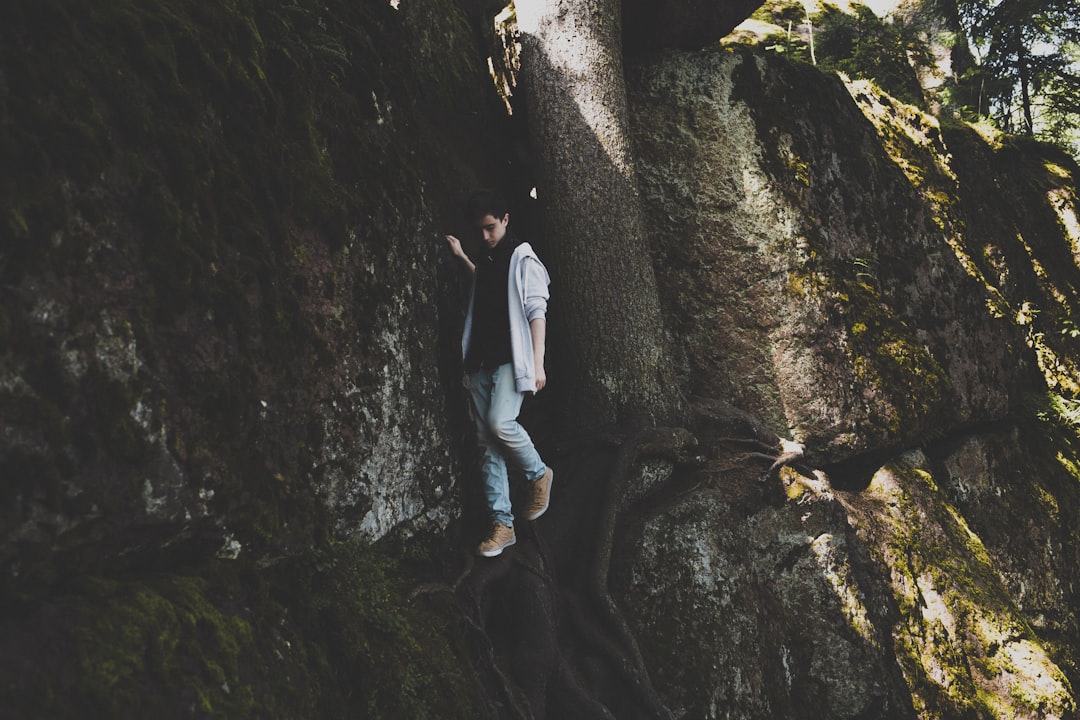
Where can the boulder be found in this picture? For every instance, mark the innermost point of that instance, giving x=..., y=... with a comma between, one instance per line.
x=650, y=25
x=216, y=342
x=807, y=280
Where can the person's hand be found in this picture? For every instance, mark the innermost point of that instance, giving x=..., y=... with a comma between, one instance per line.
x=455, y=246
x=541, y=377
x=455, y=249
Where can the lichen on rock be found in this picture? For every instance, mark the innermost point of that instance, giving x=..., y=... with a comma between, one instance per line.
x=962, y=643
x=853, y=333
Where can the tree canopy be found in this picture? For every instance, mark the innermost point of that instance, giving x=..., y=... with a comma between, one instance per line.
x=1028, y=54
x=1013, y=62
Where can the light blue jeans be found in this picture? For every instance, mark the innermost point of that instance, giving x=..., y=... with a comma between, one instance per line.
x=495, y=406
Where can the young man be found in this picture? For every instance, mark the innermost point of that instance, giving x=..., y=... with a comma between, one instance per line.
x=503, y=351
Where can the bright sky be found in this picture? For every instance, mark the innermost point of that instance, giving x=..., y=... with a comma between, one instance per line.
x=880, y=7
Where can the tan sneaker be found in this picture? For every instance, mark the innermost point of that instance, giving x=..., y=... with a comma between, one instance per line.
x=501, y=537
x=541, y=495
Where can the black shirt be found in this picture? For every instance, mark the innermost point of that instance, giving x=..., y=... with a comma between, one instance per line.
x=489, y=343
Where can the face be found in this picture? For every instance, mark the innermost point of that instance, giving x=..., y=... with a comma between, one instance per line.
x=494, y=229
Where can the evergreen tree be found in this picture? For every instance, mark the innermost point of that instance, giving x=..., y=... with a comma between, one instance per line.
x=860, y=44
x=1028, y=62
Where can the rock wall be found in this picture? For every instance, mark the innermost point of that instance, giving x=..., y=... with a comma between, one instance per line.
x=228, y=332
x=227, y=314
x=808, y=283
x=826, y=259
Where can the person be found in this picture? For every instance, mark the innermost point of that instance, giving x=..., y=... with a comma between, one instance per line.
x=503, y=348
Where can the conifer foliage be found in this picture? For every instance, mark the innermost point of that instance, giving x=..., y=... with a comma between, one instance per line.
x=1028, y=54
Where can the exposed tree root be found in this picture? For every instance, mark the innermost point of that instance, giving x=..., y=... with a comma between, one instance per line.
x=658, y=442
x=745, y=430
x=512, y=604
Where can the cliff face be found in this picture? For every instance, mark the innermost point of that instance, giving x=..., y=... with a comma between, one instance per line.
x=813, y=284
x=223, y=295
x=225, y=338
x=831, y=260
x=229, y=335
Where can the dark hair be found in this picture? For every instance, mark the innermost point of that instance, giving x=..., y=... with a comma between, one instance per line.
x=485, y=202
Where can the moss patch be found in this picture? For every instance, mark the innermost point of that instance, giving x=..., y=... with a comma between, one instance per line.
x=330, y=634
x=897, y=380
x=1018, y=199
x=961, y=642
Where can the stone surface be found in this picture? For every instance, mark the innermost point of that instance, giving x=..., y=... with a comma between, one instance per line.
x=774, y=614
x=1018, y=493
x=963, y=644
x=818, y=261
x=807, y=280
x=208, y=341
x=650, y=25
x=877, y=600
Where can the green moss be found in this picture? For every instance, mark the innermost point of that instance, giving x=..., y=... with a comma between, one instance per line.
x=404, y=658
x=141, y=644
x=890, y=366
x=329, y=634
x=893, y=373
x=962, y=643
x=1014, y=195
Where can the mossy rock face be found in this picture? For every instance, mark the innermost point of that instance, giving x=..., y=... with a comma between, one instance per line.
x=774, y=614
x=1019, y=490
x=1019, y=201
x=1008, y=208
x=965, y=647
x=224, y=293
x=326, y=634
x=937, y=585
x=807, y=277
x=230, y=330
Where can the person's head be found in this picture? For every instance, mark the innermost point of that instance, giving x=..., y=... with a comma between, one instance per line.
x=487, y=212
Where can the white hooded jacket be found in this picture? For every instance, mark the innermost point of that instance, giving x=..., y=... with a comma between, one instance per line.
x=527, y=294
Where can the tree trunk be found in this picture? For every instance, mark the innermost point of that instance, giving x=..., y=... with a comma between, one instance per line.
x=605, y=295
x=1025, y=81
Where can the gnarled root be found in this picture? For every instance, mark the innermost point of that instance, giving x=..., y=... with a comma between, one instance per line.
x=512, y=604
x=672, y=443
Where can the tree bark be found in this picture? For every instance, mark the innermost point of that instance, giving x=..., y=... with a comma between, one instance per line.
x=1022, y=62
x=605, y=293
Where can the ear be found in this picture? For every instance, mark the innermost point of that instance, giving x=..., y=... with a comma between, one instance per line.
x=506, y=218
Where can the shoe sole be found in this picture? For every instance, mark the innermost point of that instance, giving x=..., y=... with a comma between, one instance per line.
x=497, y=551
x=547, y=499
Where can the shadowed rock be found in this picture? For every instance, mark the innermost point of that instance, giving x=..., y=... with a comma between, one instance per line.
x=685, y=24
